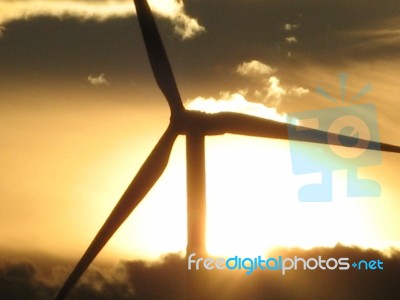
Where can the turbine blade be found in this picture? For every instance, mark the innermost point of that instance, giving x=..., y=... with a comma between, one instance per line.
x=242, y=124
x=147, y=176
x=158, y=57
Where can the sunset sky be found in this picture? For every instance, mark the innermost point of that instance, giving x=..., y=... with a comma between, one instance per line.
x=80, y=112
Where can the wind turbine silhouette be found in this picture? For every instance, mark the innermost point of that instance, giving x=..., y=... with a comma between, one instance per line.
x=195, y=126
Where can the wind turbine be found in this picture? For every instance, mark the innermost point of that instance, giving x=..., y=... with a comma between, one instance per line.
x=195, y=126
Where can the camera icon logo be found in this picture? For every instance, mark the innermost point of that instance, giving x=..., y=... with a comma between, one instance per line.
x=357, y=121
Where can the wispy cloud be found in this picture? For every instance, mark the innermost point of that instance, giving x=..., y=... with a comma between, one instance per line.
x=386, y=34
x=254, y=67
x=173, y=10
x=98, y=80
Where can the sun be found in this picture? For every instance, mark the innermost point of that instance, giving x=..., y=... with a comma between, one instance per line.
x=252, y=205
x=253, y=202
x=244, y=177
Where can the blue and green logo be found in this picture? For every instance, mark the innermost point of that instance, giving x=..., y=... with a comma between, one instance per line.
x=355, y=120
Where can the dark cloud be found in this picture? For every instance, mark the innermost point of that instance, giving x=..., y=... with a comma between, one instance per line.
x=166, y=280
x=46, y=47
x=2, y=30
x=257, y=28
x=20, y=281
x=158, y=281
x=23, y=280
x=237, y=31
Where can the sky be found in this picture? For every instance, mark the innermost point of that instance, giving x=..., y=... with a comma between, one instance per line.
x=80, y=112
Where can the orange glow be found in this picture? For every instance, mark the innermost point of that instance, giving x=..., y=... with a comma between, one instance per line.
x=252, y=205
x=75, y=163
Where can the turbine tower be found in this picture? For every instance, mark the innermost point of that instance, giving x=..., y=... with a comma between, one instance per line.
x=195, y=126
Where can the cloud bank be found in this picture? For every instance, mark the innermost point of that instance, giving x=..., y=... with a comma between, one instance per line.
x=268, y=96
x=13, y=10
x=166, y=280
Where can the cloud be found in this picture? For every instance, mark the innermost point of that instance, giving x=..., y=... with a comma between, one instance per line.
x=321, y=31
x=22, y=281
x=271, y=90
x=161, y=280
x=173, y=10
x=2, y=30
x=99, y=80
x=276, y=92
x=25, y=281
x=186, y=26
x=386, y=34
x=298, y=91
x=166, y=279
x=235, y=102
x=291, y=40
x=254, y=67
x=290, y=27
